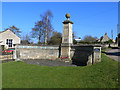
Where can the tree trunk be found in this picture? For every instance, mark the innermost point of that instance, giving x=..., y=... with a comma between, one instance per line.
x=39, y=39
x=46, y=31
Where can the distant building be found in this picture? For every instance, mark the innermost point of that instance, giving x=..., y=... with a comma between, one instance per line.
x=113, y=40
x=78, y=39
x=8, y=39
x=105, y=38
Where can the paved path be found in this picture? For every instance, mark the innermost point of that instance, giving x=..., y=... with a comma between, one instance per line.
x=113, y=54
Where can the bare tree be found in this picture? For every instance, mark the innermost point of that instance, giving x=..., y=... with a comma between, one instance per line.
x=15, y=30
x=43, y=28
x=46, y=19
x=38, y=30
x=25, y=39
x=90, y=38
x=74, y=35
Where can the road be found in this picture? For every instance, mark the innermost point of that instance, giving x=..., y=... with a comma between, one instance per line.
x=113, y=54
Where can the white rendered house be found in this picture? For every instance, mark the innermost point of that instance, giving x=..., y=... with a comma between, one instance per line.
x=8, y=39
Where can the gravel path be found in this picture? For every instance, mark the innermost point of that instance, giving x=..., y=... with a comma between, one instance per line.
x=48, y=63
x=114, y=54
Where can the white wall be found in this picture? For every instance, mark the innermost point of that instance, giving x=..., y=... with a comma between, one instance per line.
x=9, y=35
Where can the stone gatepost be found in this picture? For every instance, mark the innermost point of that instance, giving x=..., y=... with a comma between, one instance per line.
x=16, y=53
x=67, y=39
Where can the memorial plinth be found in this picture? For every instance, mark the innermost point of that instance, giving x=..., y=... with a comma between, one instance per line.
x=67, y=39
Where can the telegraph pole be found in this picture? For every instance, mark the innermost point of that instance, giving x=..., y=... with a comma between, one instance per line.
x=112, y=34
x=117, y=33
x=118, y=27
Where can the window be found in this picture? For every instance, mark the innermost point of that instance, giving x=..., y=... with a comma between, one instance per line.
x=9, y=42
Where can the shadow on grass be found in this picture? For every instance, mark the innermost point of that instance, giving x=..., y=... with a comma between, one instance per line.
x=112, y=53
x=115, y=47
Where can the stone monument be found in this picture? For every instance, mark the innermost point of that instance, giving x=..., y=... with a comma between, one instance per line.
x=67, y=31
x=67, y=39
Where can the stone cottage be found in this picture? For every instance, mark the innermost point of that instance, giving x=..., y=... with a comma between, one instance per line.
x=8, y=39
x=104, y=39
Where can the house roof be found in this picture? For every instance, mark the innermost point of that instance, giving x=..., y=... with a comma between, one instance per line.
x=7, y=30
x=1, y=31
x=105, y=38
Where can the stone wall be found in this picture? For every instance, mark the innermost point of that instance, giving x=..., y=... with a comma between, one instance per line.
x=81, y=55
x=84, y=55
x=37, y=52
x=103, y=45
x=108, y=45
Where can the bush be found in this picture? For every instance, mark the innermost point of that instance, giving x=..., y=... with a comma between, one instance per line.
x=88, y=42
x=108, y=42
x=74, y=41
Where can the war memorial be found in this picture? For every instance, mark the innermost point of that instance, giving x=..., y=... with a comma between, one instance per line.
x=77, y=54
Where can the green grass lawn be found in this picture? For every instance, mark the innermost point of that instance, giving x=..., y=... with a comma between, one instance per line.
x=22, y=75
